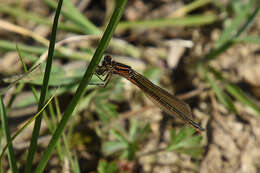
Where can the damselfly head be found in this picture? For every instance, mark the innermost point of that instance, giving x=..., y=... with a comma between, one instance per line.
x=105, y=66
x=107, y=60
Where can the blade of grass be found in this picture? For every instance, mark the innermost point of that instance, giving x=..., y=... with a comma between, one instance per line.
x=52, y=125
x=7, y=45
x=235, y=91
x=190, y=7
x=247, y=39
x=19, y=13
x=66, y=149
x=116, y=45
x=2, y=91
x=241, y=14
x=11, y=157
x=35, y=95
x=22, y=31
x=194, y=20
x=75, y=16
x=44, y=90
x=61, y=53
x=120, y=5
x=242, y=97
x=21, y=85
x=26, y=125
x=18, y=89
x=1, y=149
x=223, y=98
x=217, y=51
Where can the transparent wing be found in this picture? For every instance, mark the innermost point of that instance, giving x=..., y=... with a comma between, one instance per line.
x=166, y=101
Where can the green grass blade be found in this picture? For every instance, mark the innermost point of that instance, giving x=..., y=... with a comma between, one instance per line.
x=215, y=52
x=20, y=86
x=19, y=13
x=241, y=15
x=191, y=6
x=242, y=97
x=223, y=98
x=26, y=125
x=182, y=21
x=235, y=91
x=250, y=19
x=186, y=142
x=83, y=84
x=44, y=90
x=2, y=91
x=9, y=46
x=11, y=157
x=75, y=16
x=247, y=39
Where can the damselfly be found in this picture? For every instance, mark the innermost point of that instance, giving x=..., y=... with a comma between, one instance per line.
x=166, y=101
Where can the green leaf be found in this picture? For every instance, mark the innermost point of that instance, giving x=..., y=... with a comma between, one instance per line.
x=105, y=167
x=137, y=131
x=177, y=138
x=195, y=152
x=186, y=142
x=106, y=111
x=112, y=147
x=127, y=143
x=119, y=136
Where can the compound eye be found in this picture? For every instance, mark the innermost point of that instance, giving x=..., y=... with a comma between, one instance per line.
x=108, y=59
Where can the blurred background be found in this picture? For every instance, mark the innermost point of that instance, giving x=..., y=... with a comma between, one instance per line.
x=205, y=52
